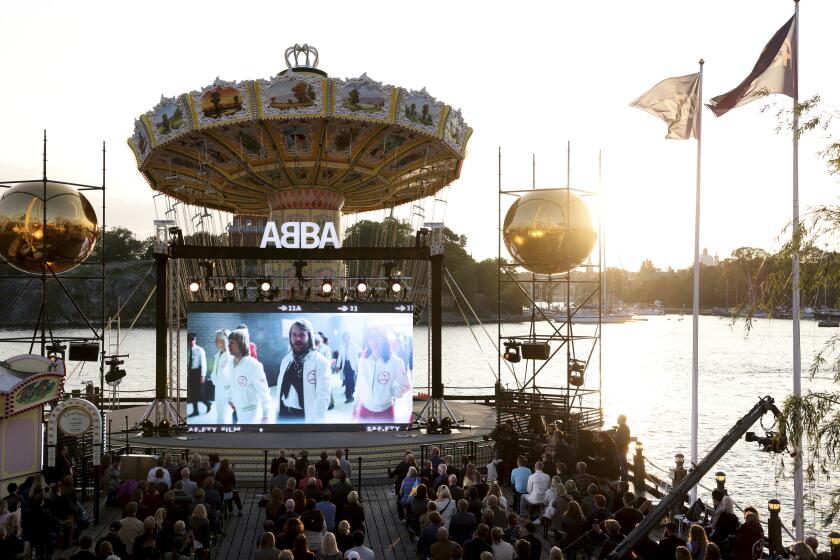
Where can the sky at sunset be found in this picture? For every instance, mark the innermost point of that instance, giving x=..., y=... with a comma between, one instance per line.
x=528, y=76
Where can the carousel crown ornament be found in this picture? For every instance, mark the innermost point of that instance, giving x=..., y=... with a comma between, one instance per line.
x=296, y=51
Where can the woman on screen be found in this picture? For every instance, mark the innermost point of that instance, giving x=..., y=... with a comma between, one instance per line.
x=382, y=379
x=249, y=391
x=221, y=376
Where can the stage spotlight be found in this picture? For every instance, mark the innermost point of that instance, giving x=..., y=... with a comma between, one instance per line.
x=147, y=428
x=115, y=373
x=396, y=286
x=432, y=426
x=265, y=286
x=512, y=354
x=230, y=284
x=446, y=425
x=327, y=287
x=362, y=286
x=164, y=428
x=195, y=285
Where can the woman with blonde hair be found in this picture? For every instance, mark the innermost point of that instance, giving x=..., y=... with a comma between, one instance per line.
x=267, y=550
x=496, y=490
x=343, y=536
x=329, y=549
x=682, y=553
x=445, y=504
x=222, y=377
x=697, y=542
x=200, y=527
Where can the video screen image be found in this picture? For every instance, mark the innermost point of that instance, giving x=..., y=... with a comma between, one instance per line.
x=313, y=364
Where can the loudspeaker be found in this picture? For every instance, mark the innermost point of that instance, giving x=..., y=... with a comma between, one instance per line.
x=84, y=352
x=536, y=350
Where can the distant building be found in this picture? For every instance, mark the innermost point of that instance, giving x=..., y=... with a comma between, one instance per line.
x=708, y=260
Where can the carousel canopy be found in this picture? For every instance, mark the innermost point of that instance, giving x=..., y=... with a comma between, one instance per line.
x=234, y=145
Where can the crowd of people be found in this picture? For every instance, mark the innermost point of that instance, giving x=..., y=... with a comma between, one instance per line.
x=452, y=510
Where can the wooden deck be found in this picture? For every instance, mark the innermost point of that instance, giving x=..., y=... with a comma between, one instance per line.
x=388, y=538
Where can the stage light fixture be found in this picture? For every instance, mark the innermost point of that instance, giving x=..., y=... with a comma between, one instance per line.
x=432, y=426
x=327, y=286
x=362, y=286
x=147, y=428
x=575, y=373
x=115, y=373
x=446, y=425
x=164, y=428
x=396, y=286
x=511, y=353
x=230, y=284
x=195, y=285
x=265, y=285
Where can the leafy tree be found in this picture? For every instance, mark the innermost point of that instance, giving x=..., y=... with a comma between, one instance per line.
x=121, y=245
x=354, y=97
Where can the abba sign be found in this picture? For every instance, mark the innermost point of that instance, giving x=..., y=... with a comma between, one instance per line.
x=300, y=235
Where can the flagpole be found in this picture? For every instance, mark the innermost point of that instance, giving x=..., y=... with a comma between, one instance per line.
x=798, y=505
x=695, y=319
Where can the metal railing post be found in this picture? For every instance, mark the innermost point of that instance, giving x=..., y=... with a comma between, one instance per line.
x=359, y=475
x=265, y=471
x=127, y=449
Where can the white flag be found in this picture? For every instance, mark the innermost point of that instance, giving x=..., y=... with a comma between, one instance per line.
x=774, y=72
x=675, y=101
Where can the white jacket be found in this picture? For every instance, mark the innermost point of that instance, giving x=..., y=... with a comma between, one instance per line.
x=316, y=385
x=379, y=382
x=538, y=485
x=249, y=387
x=222, y=372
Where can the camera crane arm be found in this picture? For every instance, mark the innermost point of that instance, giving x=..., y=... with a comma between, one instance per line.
x=694, y=476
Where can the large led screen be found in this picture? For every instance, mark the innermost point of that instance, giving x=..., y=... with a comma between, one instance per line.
x=315, y=365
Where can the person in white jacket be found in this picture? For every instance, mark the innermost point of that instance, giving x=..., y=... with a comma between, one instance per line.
x=538, y=484
x=222, y=377
x=382, y=379
x=249, y=391
x=304, y=381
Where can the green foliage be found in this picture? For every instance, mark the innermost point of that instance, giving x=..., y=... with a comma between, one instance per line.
x=121, y=245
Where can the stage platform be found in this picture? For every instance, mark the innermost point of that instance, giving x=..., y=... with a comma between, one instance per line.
x=378, y=450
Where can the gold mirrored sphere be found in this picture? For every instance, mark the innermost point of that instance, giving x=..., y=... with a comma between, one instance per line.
x=68, y=238
x=549, y=231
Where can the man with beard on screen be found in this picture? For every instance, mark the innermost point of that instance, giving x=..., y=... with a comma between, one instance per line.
x=304, y=378
x=249, y=391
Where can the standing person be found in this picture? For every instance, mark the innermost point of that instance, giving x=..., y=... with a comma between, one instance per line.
x=222, y=377
x=249, y=389
x=622, y=444
x=343, y=463
x=382, y=379
x=506, y=443
x=347, y=365
x=252, y=348
x=196, y=374
x=304, y=378
x=63, y=464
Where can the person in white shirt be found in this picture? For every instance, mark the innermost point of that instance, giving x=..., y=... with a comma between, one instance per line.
x=304, y=381
x=196, y=373
x=538, y=484
x=382, y=379
x=347, y=365
x=359, y=551
x=223, y=378
x=249, y=390
x=152, y=476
